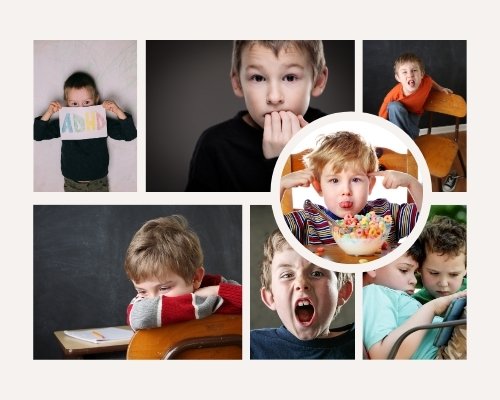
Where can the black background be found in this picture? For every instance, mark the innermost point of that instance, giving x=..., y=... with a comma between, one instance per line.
x=79, y=251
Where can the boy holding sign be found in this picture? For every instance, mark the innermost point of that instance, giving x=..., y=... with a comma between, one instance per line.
x=84, y=151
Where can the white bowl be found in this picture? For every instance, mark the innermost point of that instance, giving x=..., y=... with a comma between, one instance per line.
x=359, y=246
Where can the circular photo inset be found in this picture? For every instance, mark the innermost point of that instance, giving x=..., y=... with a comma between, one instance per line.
x=350, y=192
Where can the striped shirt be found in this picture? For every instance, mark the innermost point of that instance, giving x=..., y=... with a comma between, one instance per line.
x=309, y=225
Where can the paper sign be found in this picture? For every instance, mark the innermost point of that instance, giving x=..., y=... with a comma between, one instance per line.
x=77, y=123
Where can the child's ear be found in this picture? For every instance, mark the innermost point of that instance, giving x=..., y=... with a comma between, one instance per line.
x=267, y=298
x=96, y=101
x=320, y=83
x=397, y=77
x=369, y=277
x=345, y=293
x=198, y=277
x=372, y=180
x=236, y=84
x=317, y=186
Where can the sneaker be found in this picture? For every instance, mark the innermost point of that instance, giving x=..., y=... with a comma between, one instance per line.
x=450, y=182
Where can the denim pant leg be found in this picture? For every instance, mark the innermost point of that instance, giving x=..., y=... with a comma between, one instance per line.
x=407, y=121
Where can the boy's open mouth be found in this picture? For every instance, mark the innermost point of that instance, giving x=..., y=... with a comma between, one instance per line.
x=304, y=311
x=411, y=83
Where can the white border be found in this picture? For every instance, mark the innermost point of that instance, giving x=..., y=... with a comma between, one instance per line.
x=359, y=123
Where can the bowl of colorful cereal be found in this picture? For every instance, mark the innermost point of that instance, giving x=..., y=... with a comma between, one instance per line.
x=362, y=235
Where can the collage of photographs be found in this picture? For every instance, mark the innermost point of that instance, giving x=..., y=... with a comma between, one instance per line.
x=274, y=206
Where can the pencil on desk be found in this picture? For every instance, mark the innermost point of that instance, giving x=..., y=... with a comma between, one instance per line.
x=97, y=334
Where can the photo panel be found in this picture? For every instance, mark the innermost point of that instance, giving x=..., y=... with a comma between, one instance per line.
x=80, y=280
x=277, y=331
x=432, y=271
x=192, y=92
x=75, y=153
x=430, y=103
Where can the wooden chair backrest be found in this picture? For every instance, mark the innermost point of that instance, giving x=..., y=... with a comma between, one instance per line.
x=216, y=337
x=443, y=103
x=388, y=160
x=447, y=104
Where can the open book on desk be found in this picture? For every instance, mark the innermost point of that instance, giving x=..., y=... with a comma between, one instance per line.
x=101, y=335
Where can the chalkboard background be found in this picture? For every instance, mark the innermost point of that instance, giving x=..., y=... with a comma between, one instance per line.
x=445, y=61
x=78, y=256
x=188, y=90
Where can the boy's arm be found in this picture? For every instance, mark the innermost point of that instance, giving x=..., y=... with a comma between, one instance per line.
x=437, y=86
x=122, y=129
x=424, y=315
x=143, y=313
x=302, y=178
x=396, y=179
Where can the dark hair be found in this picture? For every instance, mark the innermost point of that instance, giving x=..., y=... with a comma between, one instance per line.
x=444, y=236
x=79, y=80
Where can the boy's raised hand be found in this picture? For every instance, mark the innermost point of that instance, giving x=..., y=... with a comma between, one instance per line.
x=302, y=178
x=441, y=304
x=279, y=128
x=111, y=106
x=54, y=107
x=395, y=179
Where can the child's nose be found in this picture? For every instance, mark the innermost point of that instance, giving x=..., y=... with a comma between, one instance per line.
x=301, y=283
x=274, y=94
x=346, y=188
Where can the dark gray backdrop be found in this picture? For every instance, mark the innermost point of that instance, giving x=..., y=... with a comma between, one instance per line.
x=78, y=255
x=262, y=224
x=445, y=61
x=188, y=90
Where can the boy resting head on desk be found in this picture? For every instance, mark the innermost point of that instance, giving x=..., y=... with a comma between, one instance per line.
x=307, y=299
x=164, y=261
x=342, y=169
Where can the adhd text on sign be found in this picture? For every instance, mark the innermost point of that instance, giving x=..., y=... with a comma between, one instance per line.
x=77, y=123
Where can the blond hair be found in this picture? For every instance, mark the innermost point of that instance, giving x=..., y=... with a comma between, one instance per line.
x=312, y=48
x=409, y=58
x=342, y=150
x=164, y=245
x=275, y=243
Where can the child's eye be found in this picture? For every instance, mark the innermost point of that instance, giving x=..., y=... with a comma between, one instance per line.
x=72, y=104
x=334, y=180
x=357, y=179
x=286, y=275
x=290, y=78
x=257, y=78
x=317, y=274
x=165, y=289
x=87, y=103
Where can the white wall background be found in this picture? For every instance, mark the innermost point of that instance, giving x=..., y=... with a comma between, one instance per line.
x=113, y=65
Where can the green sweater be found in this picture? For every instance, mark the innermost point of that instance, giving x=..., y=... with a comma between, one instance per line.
x=423, y=295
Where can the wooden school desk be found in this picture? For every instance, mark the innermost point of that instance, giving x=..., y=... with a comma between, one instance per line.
x=75, y=348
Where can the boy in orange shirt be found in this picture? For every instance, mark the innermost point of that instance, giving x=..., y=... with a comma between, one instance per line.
x=404, y=104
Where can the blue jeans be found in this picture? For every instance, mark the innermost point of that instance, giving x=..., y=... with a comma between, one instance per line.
x=404, y=119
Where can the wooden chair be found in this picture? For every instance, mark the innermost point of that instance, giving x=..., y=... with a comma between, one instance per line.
x=388, y=160
x=217, y=337
x=440, y=151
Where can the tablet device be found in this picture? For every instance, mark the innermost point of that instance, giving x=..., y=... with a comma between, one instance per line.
x=453, y=313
